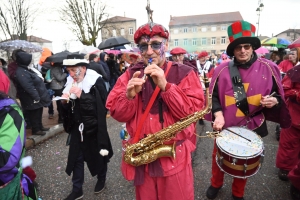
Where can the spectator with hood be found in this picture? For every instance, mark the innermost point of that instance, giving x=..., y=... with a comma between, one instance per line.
x=102, y=61
x=32, y=92
x=94, y=65
x=113, y=68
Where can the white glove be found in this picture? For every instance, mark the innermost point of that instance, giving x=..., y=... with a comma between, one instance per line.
x=26, y=161
x=103, y=152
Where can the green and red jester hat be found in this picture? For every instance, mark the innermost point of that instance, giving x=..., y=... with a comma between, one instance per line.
x=241, y=32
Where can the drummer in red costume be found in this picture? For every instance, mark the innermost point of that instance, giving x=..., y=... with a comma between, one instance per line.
x=288, y=155
x=180, y=95
x=238, y=98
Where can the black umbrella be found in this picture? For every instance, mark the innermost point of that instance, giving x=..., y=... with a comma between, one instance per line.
x=58, y=57
x=113, y=42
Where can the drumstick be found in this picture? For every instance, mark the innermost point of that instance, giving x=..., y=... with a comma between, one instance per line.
x=236, y=134
x=254, y=111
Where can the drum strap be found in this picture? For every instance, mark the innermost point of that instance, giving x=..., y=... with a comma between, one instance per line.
x=238, y=89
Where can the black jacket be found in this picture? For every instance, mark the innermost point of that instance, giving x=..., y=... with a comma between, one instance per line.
x=90, y=110
x=113, y=68
x=29, y=85
x=98, y=68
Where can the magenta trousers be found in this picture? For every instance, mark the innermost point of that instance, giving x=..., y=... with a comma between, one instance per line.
x=289, y=149
x=174, y=187
x=294, y=176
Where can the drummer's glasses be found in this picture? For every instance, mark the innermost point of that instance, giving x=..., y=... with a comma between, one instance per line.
x=154, y=45
x=239, y=47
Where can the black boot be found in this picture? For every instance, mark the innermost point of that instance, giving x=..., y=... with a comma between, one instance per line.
x=277, y=132
x=295, y=193
x=75, y=195
x=212, y=192
x=283, y=175
x=201, y=122
x=237, y=198
x=100, y=185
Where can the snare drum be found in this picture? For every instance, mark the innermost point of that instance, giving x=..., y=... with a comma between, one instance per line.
x=237, y=156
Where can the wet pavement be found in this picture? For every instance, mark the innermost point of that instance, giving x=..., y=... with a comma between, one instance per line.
x=50, y=157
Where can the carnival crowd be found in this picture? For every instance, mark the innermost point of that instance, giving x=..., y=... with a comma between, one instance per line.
x=245, y=90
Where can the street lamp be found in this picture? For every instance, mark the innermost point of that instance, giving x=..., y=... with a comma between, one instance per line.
x=258, y=10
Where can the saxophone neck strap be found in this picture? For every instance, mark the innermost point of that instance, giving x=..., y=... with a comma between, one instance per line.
x=238, y=89
x=153, y=97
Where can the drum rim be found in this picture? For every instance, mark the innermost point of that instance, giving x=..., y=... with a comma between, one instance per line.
x=242, y=157
x=241, y=177
x=252, y=156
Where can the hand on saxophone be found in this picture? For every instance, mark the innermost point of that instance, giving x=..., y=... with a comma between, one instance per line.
x=134, y=85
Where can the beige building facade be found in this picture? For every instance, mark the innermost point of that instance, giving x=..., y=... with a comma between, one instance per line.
x=119, y=26
x=289, y=34
x=197, y=33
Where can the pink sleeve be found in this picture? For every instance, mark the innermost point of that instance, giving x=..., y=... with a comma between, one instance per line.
x=121, y=108
x=185, y=98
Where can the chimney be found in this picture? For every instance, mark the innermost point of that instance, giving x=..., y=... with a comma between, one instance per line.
x=170, y=17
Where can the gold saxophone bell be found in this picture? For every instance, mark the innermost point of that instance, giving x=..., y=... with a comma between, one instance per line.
x=152, y=147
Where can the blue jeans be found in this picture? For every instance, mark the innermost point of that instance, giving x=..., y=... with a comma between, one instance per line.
x=50, y=107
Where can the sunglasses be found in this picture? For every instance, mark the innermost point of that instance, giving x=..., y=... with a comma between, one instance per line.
x=239, y=47
x=154, y=46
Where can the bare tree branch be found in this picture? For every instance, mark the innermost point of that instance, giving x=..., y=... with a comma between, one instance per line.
x=83, y=18
x=15, y=18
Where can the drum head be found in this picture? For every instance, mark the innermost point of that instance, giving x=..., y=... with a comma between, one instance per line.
x=238, y=146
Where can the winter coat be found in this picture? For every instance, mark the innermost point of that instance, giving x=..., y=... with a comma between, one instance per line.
x=90, y=110
x=105, y=66
x=291, y=86
x=29, y=85
x=99, y=69
x=113, y=68
x=58, y=78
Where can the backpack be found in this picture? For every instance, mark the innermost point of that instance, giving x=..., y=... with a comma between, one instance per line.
x=48, y=78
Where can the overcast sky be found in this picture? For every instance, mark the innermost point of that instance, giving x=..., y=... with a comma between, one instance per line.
x=277, y=15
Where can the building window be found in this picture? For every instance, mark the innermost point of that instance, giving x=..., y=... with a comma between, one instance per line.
x=223, y=40
x=213, y=40
x=175, y=31
x=185, y=30
x=122, y=31
x=194, y=29
x=223, y=28
x=176, y=42
x=194, y=42
x=185, y=42
x=130, y=31
x=203, y=41
x=213, y=28
x=288, y=34
x=114, y=33
x=203, y=29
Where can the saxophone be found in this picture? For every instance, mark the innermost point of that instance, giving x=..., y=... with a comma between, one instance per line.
x=152, y=147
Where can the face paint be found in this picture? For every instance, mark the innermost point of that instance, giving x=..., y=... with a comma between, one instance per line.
x=162, y=49
x=145, y=38
x=78, y=72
